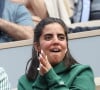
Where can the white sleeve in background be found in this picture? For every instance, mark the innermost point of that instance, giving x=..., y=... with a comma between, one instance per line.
x=56, y=8
x=86, y=10
x=4, y=83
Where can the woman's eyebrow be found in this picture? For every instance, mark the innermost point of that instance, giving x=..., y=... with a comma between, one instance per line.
x=47, y=34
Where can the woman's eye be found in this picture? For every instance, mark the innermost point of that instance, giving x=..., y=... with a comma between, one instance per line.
x=61, y=37
x=48, y=37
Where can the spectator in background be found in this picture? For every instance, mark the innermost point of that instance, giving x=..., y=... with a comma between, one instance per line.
x=15, y=22
x=37, y=8
x=4, y=82
x=52, y=67
x=41, y=9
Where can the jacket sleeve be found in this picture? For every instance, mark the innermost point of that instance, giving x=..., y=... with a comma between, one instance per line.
x=20, y=86
x=55, y=82
x=50, y=81
x=82, y=81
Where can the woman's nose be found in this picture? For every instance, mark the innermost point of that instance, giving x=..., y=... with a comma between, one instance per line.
x=55, y=39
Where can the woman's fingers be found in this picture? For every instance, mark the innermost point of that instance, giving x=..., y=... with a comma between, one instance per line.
x=45, y=66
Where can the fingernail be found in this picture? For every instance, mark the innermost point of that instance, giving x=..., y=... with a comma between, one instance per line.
x=41, y=51
x=40, y=55
x=46, y=57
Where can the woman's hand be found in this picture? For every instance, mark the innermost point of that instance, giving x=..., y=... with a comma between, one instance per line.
x=45, y=66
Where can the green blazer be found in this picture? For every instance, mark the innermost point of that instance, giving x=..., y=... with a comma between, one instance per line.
x=78, y=77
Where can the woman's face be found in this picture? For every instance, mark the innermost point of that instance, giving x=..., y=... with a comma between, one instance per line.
x=53, y=42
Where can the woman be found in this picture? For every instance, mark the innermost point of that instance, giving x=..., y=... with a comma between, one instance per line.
x=52, y=67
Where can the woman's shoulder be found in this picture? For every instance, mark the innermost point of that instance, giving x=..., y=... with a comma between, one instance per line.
x=25, y=83
x=81, y=68
x=23, y=78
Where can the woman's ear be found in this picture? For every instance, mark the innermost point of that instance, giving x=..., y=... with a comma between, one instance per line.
x=37, y=47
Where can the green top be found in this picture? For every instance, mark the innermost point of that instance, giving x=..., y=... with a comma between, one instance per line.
x=79, y=77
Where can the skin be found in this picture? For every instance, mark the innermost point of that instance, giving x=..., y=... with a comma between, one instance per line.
x=35, y=7
x=17, y=32
x=52, y=39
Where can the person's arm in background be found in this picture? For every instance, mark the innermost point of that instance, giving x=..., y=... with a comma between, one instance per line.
x=4, y=82
x=18, y=32
x=19, y=25
x=37, y=8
